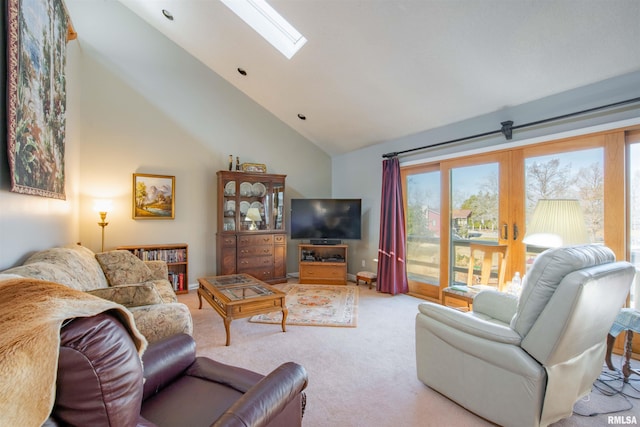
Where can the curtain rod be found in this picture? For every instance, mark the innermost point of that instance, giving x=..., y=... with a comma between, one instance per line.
x=507, y=128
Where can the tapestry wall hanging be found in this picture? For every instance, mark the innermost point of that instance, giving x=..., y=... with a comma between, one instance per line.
x=36, y=104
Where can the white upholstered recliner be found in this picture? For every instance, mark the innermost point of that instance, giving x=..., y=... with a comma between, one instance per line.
x=525, y=363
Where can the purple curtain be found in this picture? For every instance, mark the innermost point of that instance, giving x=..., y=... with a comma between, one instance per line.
x=392, y=275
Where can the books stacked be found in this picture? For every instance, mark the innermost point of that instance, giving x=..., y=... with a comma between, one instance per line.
x=177, y=281
x=166, y=255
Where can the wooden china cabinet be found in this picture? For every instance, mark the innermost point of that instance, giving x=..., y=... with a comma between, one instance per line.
x=251, y=235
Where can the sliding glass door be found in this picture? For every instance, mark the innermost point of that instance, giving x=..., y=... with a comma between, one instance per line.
x=474, y=216
x=634, y=212
x=423, y=215
x=575, y=176
x=491, y=199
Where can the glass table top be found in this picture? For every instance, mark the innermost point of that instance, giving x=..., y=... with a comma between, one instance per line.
x=239, y=286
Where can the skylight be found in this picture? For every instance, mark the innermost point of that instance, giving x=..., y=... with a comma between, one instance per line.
x=269, y=24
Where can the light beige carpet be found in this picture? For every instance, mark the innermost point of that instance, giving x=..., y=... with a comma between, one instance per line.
x=316, y=305
x=364, y=376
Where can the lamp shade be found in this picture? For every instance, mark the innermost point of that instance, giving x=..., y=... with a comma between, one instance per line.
x=253, y=214
x=102, y=205
x=556, y=222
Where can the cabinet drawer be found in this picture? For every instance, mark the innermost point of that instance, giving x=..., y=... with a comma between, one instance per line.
x=255, y=262
x=257, y=306
x=322, y=271
x=261, y=239
x=264, y=274
x=252, y=251
x=228, y=240
x=280, y=239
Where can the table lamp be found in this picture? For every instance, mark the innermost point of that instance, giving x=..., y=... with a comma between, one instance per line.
x=555, y=223
x=253, y=215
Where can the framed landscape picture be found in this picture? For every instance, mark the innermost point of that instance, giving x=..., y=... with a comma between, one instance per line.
x=153, y=196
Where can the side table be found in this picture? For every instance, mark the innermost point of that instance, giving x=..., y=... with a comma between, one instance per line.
x=627, y=320
x=461, y=296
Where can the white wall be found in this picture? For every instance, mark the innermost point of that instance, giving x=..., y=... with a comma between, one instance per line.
x=139, y=104
x=31, y=223
x=359, y=173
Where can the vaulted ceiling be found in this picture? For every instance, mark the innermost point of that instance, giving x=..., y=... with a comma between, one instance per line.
x=375, y=70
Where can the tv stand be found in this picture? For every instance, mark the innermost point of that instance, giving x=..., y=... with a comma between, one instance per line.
x=323, y=264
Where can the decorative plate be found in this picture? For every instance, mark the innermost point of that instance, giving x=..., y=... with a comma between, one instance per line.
x=244, y=207
x=230, y=188
x=229, y=224
x=257, y=205
x=246, y=189
x=231, y=206
x=259, y=189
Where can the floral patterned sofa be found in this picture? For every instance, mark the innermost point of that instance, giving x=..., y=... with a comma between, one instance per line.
x=141, y=286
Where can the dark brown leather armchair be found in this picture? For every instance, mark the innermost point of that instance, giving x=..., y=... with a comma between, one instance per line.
x=101, y=382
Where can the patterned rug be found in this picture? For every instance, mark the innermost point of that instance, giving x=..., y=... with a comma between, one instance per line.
x=316, y=305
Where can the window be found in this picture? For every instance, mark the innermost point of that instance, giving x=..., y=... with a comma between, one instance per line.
x=423, y=216
x=490, y=199
x=634, y=211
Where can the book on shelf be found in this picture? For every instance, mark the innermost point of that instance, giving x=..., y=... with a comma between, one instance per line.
x=169, y=256
x=177, y=281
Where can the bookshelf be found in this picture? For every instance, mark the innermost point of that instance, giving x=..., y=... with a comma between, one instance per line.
x=176, y=255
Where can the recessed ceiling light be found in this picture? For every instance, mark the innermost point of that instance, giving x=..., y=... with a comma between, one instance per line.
x=269, y=24
x=167, y=14
x=302, y=116
x=242, y=71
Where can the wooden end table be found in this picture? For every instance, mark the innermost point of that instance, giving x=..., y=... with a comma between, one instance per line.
x=240, y=295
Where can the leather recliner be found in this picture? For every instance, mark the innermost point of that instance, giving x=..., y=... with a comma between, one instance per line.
x=525, y=362
x=102, y=382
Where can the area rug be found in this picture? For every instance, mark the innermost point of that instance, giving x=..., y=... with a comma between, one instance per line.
x=317, y=305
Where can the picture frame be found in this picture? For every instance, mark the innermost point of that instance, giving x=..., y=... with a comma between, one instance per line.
x=254, y=167
x=153, y=196
x=37, y=36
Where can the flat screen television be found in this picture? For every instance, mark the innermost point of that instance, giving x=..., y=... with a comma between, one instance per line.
x=317, y=219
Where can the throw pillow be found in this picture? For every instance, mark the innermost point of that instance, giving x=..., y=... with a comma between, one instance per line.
x=123, y=268
x=130, y=295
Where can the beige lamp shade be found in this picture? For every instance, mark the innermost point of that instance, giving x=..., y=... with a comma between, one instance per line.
x=253, y=215
x=102, y=205
x=555, y=223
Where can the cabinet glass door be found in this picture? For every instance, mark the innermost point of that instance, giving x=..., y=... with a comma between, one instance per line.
x=229, y=206
x=278, y=206
x=254, y=202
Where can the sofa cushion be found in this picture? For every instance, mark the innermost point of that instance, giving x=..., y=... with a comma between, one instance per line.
x=44, y=271
x=162, y=320
x=165, y=290
x=130, y=295
x=123, y=268
x=73, y=266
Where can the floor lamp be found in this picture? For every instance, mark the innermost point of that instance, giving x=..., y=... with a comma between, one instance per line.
x=103, y=207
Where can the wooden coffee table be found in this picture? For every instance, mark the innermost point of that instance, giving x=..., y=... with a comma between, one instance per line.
x=240, y=295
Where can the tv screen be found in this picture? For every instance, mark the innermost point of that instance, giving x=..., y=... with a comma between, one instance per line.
x=326, y=219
